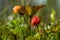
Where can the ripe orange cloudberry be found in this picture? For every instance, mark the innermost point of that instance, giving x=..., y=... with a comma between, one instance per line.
x=16, y=9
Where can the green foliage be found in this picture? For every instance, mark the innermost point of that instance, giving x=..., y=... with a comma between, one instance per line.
x=18, y=28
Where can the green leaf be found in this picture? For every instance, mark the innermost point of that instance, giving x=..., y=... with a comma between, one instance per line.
x=52, y=15
x=15, y=30
x=37, y=36
x=30, y=38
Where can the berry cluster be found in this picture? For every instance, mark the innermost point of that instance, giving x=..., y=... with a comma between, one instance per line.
x=35, y=20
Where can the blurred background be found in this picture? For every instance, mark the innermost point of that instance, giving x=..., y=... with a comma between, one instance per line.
x=7, y=5
x=18, y=29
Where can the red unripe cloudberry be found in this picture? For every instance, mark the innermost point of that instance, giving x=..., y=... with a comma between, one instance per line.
x=35, y=21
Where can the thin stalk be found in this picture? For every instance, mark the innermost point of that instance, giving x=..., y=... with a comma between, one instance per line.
x=25, y=19
x=38, y=28
x=15, y=37
x=30, y=25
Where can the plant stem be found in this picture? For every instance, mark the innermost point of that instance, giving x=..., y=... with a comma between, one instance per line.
x=30, y=25
x=38, y=28
x=25, y=19
x=39, y=32
x=15, y=37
